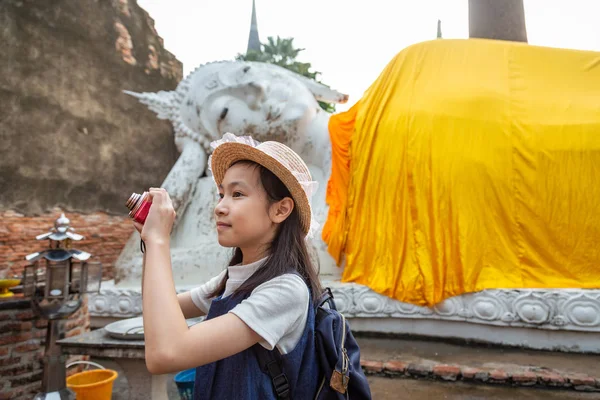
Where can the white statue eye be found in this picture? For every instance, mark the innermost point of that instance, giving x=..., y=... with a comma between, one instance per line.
x=224, y=113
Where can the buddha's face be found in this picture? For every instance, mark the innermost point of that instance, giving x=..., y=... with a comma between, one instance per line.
x=249, y=99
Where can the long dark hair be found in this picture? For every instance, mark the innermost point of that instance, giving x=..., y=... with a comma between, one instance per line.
x=287, y=252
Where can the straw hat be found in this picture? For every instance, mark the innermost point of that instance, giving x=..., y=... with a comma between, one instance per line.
x=274, y=156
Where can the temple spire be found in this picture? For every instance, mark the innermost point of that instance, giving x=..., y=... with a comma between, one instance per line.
x=253, y=40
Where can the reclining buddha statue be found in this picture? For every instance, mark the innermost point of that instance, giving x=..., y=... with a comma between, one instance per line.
x=461, y=188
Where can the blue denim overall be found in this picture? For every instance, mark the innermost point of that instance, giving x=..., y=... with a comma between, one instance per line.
x=240, y=377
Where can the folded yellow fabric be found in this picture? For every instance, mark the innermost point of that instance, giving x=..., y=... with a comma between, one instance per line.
x=470, y=165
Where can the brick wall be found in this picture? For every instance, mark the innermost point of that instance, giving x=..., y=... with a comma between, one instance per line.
x=22, y=341
x=105, y=236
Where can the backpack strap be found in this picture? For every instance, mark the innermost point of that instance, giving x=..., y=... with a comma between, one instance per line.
x=270, y=362
x=326, y=297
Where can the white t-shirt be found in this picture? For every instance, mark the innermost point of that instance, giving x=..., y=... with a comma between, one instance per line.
x=276, y=310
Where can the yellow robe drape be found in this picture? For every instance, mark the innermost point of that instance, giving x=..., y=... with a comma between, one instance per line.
x=470, y=165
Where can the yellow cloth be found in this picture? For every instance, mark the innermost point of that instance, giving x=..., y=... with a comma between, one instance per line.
x=470, y=165
x=341, y=128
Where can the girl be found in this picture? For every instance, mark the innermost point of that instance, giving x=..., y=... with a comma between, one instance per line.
x=265, y=296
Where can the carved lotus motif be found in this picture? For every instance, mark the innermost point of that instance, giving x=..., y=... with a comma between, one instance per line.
x=343, y=301
x=426, y=311
x=487, y=308
x=583, y=311
x=448, y=307
x=406, y=308
x=531, y=308
x=99, y=305
x=370, y=302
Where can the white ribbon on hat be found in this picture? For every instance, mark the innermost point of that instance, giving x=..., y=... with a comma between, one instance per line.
x=309, y=187
x=230, y=137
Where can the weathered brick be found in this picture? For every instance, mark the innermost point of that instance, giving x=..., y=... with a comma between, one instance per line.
x=77, y=368
x=21, y=337
x=41, y=334
x=524, y=378
x=498, y=376
x=15, y=370
x=446, y=372
x=6, y=361
x=581, y=382
x=11, y=394
x=41, y=323
x=72, y=324
x=10, y=326
x=580, y=379
x=395, y=367
x=419, y=369
x=29, y=391
x=551, y=379
x=482, y=376
x=26, y=326
x=74, y=332
x=468, y=372
x=372, y=367
x=4, y=316
x=26, y=378
x=28, y=346
x=3, y=351
x=26, y=315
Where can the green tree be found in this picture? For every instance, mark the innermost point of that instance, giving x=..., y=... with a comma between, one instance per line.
x=281, y=51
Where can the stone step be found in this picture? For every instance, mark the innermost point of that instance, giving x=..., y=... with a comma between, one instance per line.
x=474, y=363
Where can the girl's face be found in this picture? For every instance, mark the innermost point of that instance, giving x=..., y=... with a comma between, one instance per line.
x=243, y=213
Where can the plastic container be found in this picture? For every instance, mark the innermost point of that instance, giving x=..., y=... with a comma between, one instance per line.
x=93, y=385
x=185, y=383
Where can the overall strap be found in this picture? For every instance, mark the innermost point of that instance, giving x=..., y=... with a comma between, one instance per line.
x=270, y=362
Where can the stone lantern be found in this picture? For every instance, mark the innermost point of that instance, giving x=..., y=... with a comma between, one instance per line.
x=55, y=280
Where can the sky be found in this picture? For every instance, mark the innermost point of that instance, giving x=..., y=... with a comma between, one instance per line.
x=350, y=41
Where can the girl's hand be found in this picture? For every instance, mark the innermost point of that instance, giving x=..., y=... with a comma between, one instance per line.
x=161, y=216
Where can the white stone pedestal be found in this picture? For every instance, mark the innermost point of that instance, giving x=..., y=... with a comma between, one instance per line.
x=549, y=319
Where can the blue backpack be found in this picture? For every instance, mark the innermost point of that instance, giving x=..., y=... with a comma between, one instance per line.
x=337, y=352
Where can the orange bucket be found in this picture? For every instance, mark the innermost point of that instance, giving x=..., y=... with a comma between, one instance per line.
x=93, y=385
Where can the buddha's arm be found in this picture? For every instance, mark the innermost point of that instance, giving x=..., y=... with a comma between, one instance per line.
x=183, y=177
